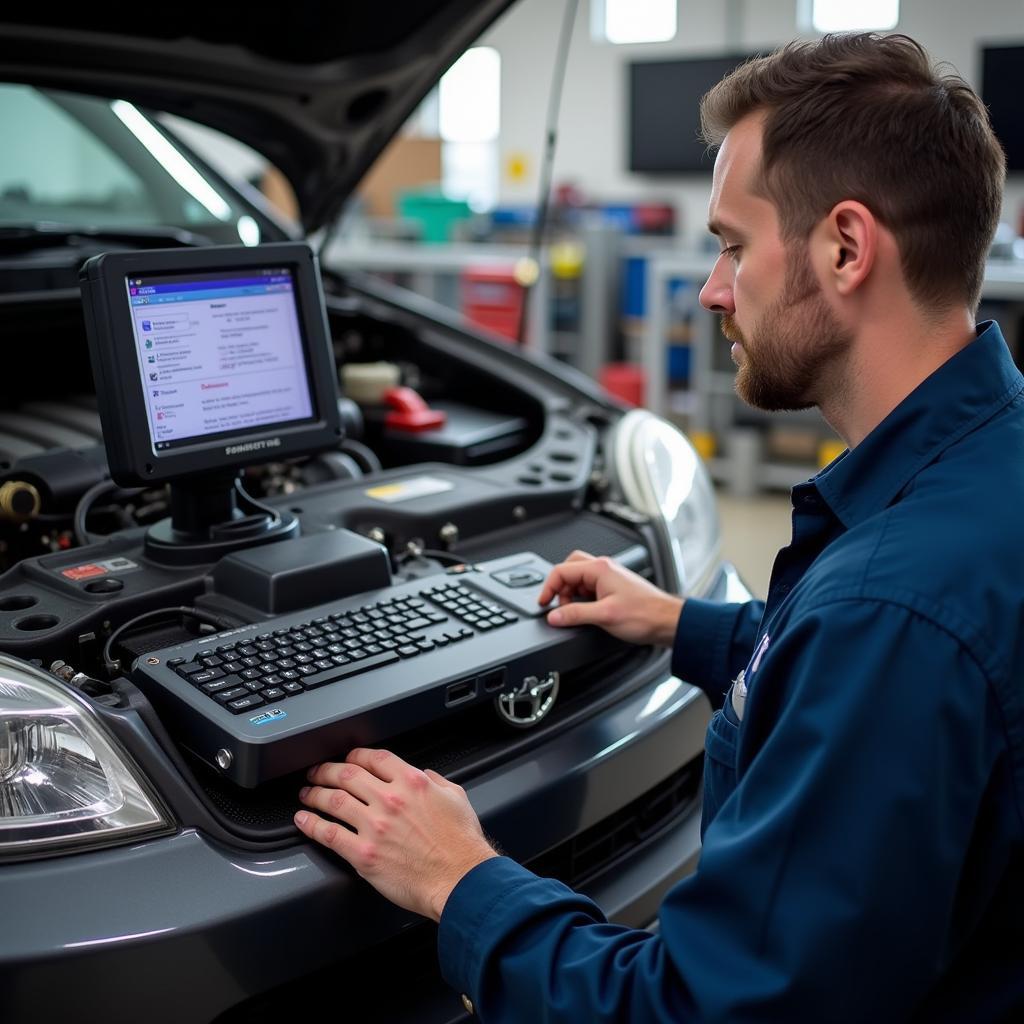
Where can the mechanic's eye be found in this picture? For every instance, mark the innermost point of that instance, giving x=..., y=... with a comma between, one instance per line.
x=732, y=251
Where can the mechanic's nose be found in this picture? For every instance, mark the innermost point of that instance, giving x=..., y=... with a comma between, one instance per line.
x=716, y=295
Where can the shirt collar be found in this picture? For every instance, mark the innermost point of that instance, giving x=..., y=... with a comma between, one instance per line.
x=966, y=390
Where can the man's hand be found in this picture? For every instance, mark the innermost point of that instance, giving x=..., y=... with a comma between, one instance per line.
x=619, y=601
x=415, y=835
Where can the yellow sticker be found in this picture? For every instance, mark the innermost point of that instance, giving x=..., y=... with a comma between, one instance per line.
x=517, y=167
x=405, y=490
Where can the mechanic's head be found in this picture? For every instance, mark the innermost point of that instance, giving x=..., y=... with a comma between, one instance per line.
x=847, y=166
x=866, y=117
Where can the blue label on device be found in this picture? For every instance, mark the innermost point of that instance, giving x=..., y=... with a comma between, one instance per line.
x=274, y=715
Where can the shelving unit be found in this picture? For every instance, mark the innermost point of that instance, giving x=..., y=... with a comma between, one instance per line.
x=434, y=271
x=710, y=406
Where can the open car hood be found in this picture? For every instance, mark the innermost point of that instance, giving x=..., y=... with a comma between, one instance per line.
x=319, y=89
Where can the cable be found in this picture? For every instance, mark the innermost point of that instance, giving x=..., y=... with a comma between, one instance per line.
x=82, y=509
x=440, y=556
x=248, y=499
x=207, y=618
x=366, y=458
x=550, y=139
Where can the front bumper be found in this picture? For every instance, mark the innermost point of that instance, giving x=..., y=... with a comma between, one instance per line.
x=184, y=928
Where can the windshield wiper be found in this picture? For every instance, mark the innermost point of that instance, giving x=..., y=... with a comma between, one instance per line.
x=26, y=237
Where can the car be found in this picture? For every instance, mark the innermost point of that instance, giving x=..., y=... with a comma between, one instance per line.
x=139, y=877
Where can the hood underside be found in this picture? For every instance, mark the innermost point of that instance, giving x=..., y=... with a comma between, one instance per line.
x=318, y=89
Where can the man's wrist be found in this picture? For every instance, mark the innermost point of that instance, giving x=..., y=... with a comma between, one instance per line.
x=668, y=620
x=440, y=898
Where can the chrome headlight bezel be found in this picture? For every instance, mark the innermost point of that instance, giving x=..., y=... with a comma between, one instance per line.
x=656, y=471
x=66, y=783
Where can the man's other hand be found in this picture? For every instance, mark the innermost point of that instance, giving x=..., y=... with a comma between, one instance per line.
x=614, y=598
x=415, y=834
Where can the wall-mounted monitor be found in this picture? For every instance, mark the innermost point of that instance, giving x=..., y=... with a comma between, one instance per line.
x=1002, y=84
x=664, y=113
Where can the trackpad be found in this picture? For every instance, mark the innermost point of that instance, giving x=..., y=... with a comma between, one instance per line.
x=515, y=580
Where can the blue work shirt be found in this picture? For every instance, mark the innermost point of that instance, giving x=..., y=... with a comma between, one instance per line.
x=863, y=855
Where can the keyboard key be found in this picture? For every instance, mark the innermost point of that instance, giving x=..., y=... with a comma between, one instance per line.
x=250, y=661
x=248, y=650
x=219, y=685
x=232, y=666
x=418, y=623
x=441, y=641
x=425, y=645
x=206, y=676
x=274, y=693
x=254, y=685
x=190, y=669
x=273, y=680
x=343, y=671
x=225, y=696
x=292, y=687
x=251, y=673
x=253, y=700
x=409, y=651
x=306, y=670
x=322, y=663
x=289, y=674
x=175, y=662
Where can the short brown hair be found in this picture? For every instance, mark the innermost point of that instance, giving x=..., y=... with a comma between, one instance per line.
x=866, y=117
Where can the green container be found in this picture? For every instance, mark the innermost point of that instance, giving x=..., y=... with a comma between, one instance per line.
x=434, y=211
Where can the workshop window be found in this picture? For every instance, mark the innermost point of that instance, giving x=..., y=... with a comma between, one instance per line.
x=842, y=16
x=469, y=119
x=633, y=21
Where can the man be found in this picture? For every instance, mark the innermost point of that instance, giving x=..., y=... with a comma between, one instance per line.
x=863, y=854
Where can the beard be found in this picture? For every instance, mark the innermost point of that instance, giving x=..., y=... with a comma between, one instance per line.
x=794, y=349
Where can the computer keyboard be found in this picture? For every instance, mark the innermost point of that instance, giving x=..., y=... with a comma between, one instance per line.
x=275, y=696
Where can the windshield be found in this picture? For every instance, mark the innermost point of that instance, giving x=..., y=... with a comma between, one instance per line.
x=81, y=162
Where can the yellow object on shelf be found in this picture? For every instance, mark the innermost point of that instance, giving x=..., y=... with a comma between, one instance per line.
x=566, y=260
x=704, y=443
x=829, y=451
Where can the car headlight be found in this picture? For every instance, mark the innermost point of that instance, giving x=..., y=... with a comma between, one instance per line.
x=64, y=784
x=658, y=473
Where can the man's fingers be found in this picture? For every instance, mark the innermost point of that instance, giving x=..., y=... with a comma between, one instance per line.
x=351, y=777
x=578, y=572
x=579, y=556
x=439, y=779
x=326, y=833
x=579, y=613
x=338, y=803
x=380, y=763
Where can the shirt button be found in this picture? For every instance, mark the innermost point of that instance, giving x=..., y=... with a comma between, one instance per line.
x=467, y=1003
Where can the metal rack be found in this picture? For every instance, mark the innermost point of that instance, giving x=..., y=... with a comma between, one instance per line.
x=434, y=271
x=712, y=407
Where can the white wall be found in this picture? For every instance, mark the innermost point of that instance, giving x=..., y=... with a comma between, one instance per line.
x=592, y=148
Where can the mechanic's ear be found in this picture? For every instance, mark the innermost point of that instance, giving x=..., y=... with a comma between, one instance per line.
x=851, y=236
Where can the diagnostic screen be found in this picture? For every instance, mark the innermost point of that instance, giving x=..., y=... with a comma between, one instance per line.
x=219, y=353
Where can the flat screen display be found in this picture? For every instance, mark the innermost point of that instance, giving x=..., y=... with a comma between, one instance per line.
x=219, y=354
x=1002, y=74
x=664, y=113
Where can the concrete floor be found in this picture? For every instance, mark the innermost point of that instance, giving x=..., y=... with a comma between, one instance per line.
x=753, y=530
